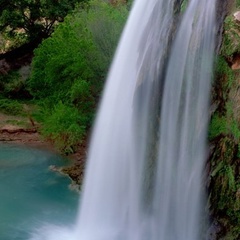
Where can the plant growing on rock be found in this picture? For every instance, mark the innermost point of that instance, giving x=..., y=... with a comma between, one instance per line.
x=224, y=135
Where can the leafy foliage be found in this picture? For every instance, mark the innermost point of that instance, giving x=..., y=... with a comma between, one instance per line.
x=72, y=64
x=231, y=38
x=224, y=133
x=11, y=107
x=237, y=3
x=64, y=126
x=218, y=125
x=225, y=186
x=80, y=48
x=224, y=125
x=224, y=71
x=30, y=19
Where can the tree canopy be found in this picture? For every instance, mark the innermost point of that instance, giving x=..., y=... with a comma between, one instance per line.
x=69, y=68
x=33, y=18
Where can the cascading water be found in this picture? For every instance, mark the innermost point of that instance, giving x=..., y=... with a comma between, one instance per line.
x=184, y=117
x=144, y=181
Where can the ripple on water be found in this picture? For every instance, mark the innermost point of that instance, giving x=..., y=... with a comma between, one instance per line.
x=32, y=195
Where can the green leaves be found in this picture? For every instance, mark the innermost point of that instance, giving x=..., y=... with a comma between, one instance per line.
x=64, y=126
x=231, y=38
x=69, y=69
x=34, y=18
x=11, y=107
x=218, y=125
x=81, y=48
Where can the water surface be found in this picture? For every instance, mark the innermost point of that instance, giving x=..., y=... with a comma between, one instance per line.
x=30, y=194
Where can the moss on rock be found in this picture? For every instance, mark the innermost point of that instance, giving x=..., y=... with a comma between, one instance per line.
x=224, y=135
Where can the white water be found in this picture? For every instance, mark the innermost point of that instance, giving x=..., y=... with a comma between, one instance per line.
x=143, y=182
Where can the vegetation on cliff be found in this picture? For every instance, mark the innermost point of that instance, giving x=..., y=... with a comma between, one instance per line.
x=224, y=135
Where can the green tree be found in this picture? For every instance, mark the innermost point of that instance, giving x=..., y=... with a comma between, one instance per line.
x=70, y=67
x=81, y=48
x=33, y=18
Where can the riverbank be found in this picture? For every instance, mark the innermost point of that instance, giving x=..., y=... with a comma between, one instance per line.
x=22, y=131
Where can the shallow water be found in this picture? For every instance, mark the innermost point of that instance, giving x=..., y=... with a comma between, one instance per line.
x=31, y=194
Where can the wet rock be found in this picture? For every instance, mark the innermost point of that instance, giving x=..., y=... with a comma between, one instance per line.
x=214, y=231
x=75, y=172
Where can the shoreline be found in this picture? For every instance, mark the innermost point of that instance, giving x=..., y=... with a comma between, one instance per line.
x=30, y=137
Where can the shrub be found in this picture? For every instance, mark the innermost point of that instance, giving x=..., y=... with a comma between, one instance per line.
x=80, y=48
x=218, y=125
x=69, y=69
x=11, y=107
x=223, y=70
x=64, y=126
x=231, y=38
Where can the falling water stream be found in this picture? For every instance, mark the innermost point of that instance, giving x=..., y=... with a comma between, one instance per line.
x=147, y=152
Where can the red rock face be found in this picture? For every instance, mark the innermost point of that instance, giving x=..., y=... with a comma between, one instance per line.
x=236, y=63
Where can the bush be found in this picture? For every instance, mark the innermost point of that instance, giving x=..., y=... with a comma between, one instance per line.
x=80, y=48
x=231, y=38
x=11, y=107
x=69, y=69
x=64, y=126
x=218, y=125
x=223, y=70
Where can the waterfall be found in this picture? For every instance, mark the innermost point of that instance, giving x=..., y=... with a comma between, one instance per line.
x=148, y=147
x=183, y=131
